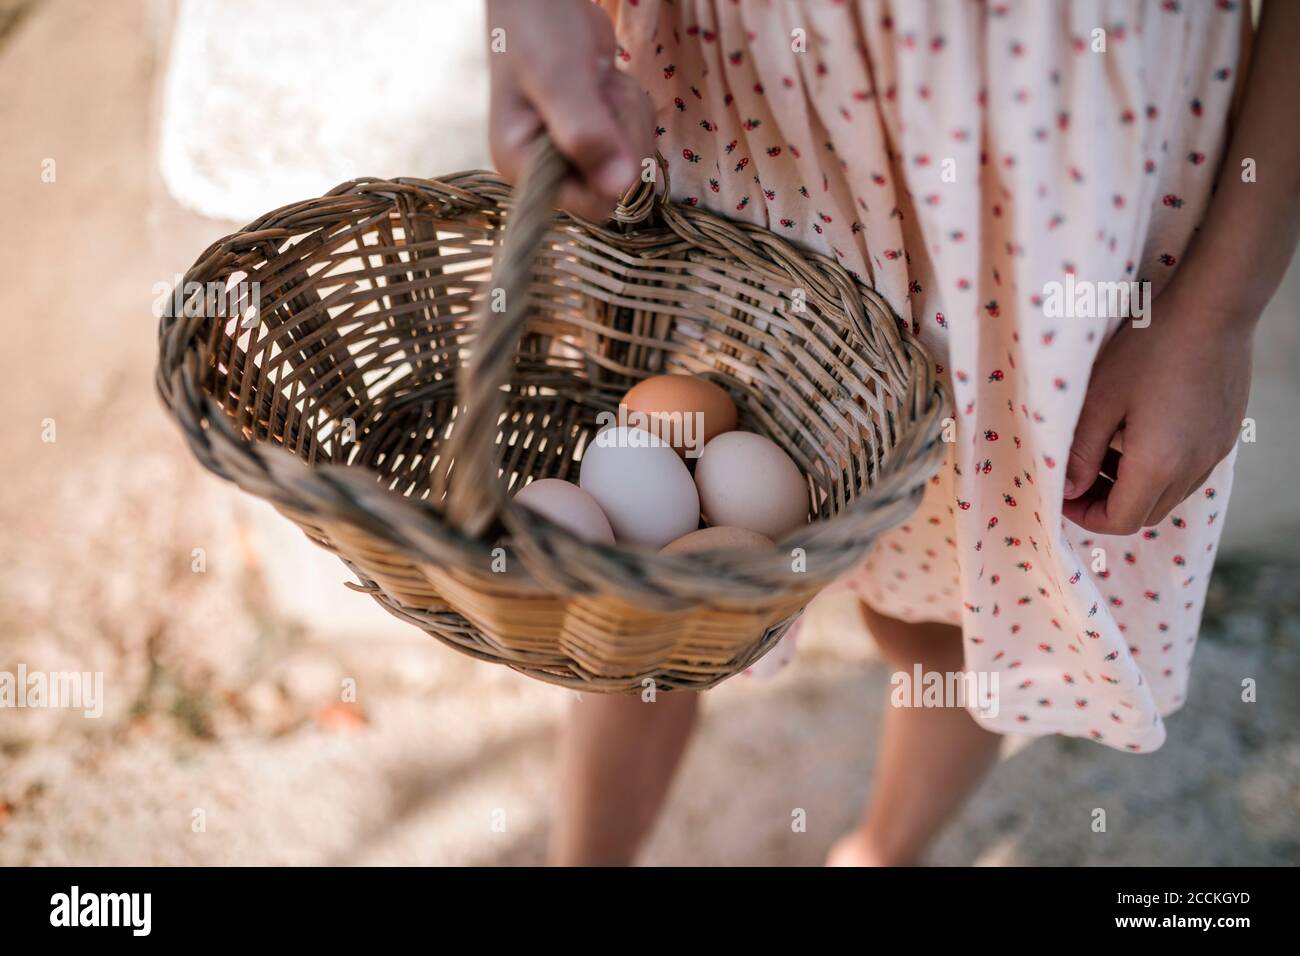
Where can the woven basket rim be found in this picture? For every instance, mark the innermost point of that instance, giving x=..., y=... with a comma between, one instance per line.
x=352, y=494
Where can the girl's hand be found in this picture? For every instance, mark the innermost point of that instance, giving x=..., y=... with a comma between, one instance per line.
x=557, y=73
x=1178, y=391
x=1178, y=388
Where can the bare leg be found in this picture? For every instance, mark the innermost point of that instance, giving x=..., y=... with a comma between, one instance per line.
x=931, y=758
x=617, y=759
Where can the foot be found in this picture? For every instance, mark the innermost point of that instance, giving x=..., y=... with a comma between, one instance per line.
x=856, y=849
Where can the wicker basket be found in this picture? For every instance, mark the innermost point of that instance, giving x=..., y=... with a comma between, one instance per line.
x=366, y=372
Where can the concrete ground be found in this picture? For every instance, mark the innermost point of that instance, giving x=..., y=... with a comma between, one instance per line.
x=223, y=740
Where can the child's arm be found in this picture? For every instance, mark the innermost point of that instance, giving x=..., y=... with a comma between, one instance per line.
x=1178, y=387
x=552, y=68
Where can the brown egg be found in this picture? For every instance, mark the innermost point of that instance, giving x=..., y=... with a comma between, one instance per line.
x=717, y=539
x=685, y=411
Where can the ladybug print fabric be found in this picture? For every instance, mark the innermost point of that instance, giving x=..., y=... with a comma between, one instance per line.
x=960, y=156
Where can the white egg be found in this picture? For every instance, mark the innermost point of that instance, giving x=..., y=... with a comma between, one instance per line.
x=642, y=485
x=568, y=506
x=747, y=481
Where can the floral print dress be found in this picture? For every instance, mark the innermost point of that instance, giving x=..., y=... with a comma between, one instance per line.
x=960, y=156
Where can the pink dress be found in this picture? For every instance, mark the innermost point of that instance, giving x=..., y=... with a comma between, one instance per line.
x=960, y=157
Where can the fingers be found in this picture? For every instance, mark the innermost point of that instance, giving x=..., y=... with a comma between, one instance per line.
x=558, y=75
x=1145, y=493
x=1141, y=484
x=635, y=114
x=1098, y=421
x=1171, y=501
x=603, y=126
x=1173, y=496
x=586, y=132
x=515, y=125
x=570, y=97
x=1076, y=508
x=512, y=126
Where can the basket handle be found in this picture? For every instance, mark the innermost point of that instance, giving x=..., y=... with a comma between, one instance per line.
x=468, y=472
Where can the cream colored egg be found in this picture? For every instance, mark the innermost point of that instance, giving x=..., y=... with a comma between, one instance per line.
x=747, y=481
x=568, y=506
x=642, y=486
x=718, y=538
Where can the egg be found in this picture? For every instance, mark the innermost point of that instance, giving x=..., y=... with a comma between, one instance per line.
x=568, y=506
x=747, y=481
x=718, y=538
x=685, y=411
x=642, y=486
